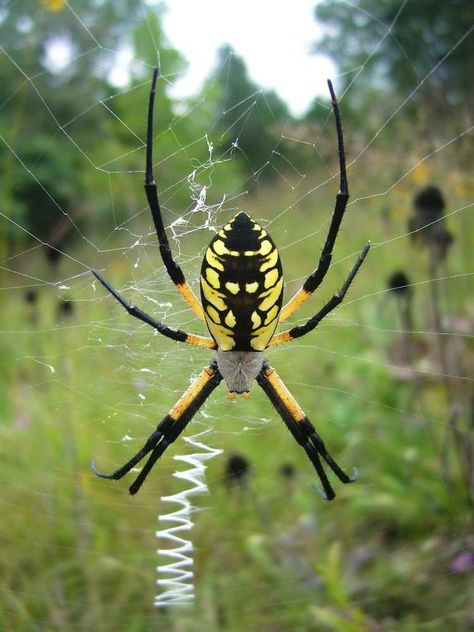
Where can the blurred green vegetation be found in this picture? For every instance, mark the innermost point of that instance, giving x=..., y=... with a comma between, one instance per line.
x=392, y=551
x=398, y=51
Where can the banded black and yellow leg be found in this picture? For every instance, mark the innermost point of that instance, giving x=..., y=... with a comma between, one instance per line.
x=174, y=271
x=312, y=323
x=315, y=278
x=171, y=427
x=300, y=427
x=175, y=334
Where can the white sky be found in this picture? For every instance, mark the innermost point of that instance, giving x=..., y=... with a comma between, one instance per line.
x=274, y=38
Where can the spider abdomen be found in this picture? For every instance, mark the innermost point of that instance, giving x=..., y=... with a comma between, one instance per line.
x=242, y=286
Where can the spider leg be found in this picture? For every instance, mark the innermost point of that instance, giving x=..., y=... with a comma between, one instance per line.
x=170, y=427
x=175, y=334
x=174, y=271
x=315, y=278
x=301, y=428
x=298, y=331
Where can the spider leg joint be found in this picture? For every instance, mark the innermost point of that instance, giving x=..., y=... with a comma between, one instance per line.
x=268, y=370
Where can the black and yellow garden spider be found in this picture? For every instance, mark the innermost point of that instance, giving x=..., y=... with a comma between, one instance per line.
x=241, y=304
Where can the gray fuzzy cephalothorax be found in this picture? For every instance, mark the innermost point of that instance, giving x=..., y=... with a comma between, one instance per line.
x=239, y=368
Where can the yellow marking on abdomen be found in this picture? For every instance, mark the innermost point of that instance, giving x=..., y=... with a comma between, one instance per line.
x=272, y=296
x=265, y=247
x=262, y=336
x=232, y=287
x=270, y=261
x=230, y=320
x=271, y=277
x=251, y=287
x=271, y=314
x=221, y=335
x=212, y=260
x=213, y=314
x=213, y=278
x=221, y=249
x=256, y=320
x=212, y=296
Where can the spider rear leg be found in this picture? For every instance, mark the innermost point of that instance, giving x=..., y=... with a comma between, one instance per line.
x=320, y=447
x=151, y=443
x=171, y=427
x=301, y=428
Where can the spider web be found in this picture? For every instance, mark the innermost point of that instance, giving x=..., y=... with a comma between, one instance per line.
x=83, y=381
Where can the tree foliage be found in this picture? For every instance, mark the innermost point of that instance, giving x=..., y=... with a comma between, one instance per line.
x=42, y=104
x=70, y=135
x=249, y=119
x=398, y=45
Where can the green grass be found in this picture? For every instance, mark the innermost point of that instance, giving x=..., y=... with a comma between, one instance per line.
x=78, y=553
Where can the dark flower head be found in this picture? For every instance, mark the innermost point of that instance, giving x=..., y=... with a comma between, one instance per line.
x=399, y=284
x=237, y=469
x=429, y=204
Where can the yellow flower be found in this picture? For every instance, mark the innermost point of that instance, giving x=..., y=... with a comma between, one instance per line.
x=53, y=5
x=461, y=186
x=421, y=174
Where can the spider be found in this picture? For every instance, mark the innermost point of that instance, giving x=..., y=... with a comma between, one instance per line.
x=241, y=304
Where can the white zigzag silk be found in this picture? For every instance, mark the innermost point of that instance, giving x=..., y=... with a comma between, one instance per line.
x=177, y=583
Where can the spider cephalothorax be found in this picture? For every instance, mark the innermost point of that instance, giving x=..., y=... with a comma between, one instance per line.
x=241, y=304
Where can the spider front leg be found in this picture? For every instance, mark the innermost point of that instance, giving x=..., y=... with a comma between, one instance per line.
x=301, y=428
x=174, y=271
x=316, y=278
x=313, y=322
x=170, y=427
x=175, y=334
